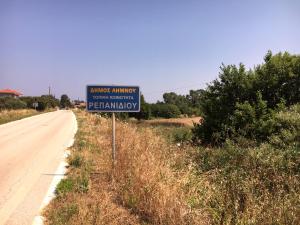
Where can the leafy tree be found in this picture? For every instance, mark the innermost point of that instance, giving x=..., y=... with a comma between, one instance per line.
x=181, y=101
x=29, y=101
x=286, y=128
x=11, y=103
x=42, y=104
x=145, y=111
x=50, y=101
x=65, y=101
x=254, y=121
x=165, y=110
x=194, y=97
x=242, y=102
x=44, y=101
x=279, y=78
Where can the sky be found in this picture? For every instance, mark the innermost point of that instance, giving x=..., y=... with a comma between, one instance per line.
x=160, y=45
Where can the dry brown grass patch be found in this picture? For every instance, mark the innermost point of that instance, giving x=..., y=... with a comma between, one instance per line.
x=11, y=115
x=148, y=185
x=189, y=122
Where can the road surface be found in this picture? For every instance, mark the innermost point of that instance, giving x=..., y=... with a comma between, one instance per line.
x=30, y=152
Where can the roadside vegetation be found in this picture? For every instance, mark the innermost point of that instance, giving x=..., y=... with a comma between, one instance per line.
x=149, y=185
x=12, y=115
x=44, y=102
x=157, y=181
x=243, y=103
x=18, y=108
x=240, y=165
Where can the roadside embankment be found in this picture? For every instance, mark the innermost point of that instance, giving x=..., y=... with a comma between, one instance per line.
x=151, y=182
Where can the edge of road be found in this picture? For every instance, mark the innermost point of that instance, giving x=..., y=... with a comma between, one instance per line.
x=62, y=168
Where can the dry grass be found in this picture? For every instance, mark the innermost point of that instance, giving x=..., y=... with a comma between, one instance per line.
x=189, y=122
x=155, y=182
x=151, y=182
x=11, y=115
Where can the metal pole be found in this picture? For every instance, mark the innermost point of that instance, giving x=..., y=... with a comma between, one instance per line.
x=113, y=139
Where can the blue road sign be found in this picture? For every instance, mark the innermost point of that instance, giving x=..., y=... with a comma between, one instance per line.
x=104, y=98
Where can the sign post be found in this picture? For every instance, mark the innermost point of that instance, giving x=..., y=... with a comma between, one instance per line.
x=112, y=98
x=113, y=139
x=35, y=105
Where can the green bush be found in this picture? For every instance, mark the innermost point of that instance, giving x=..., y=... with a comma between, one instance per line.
x=29, y=101
x=286, y=127
x=44, y=102
x=243, y=102
x=12, y=103
x=65, y=101
x=49, y=101
x=165, y=110
x=42, y=105
x=145, y=112
x=182, y=134
x=255, y=121
x=183, y=103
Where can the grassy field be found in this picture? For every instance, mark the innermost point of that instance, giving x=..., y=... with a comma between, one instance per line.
x=157, y=181
x=11, y=115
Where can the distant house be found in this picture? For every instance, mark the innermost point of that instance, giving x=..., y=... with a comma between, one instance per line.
x=79, y=104
x=9, y=93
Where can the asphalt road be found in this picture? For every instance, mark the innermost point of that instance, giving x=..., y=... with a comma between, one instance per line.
x=30, y=153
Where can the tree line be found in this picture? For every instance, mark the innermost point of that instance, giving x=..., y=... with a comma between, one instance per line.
x=38, y=102
x=172, y=106
x=239, y=102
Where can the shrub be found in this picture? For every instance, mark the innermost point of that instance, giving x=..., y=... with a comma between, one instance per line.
x=44, y=102
x=11, y=103
x=29, y=101
x=145, y=112
x=286, y=127
x=42, y=105
x=65, y=101
x=243, y=102
x=253, y=185
x=182, y=134
x=186, y=104
x=165, y=110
